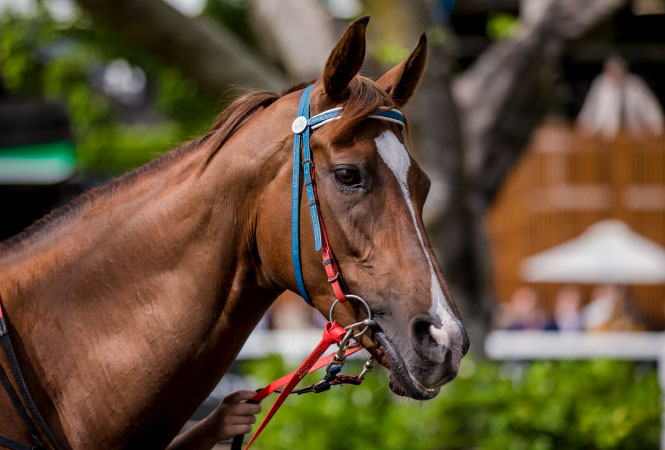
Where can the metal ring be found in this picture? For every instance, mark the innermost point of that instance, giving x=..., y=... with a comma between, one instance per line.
x=367, y=309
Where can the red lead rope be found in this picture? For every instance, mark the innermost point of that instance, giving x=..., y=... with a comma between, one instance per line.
x=332, y=334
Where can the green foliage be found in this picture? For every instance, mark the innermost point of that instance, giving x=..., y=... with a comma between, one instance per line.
x=436, y=35
x=64, y=61
x=132, y=145
x=544, y=405
x=501, y=25
x=390, y=54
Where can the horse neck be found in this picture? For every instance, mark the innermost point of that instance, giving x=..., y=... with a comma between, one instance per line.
x=146, y=288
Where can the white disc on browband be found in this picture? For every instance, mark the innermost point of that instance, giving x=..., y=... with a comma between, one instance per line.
x=299, y=124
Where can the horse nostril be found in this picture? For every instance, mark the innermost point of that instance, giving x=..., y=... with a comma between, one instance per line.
x=421, y=334
x=424, y=343
x=434, y=342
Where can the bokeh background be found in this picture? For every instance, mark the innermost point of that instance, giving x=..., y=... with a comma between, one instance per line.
x=540, y=123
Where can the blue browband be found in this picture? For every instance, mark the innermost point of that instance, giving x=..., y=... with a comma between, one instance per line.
x=302, y=127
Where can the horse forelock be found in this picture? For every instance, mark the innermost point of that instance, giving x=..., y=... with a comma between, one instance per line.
x=364, y=97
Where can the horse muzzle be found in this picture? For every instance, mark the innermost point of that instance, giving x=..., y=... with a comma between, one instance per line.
x=419, y=366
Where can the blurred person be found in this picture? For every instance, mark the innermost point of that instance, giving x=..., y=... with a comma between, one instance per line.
x=232, y=416
x=601, y=309
x=609, y=310
x=567, y=308
x=618, y=98
x=524, y=311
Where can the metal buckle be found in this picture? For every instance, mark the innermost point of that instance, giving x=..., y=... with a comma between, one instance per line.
x=340, y=357
x=369, y=365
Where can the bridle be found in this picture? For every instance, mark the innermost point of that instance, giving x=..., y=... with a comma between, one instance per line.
x=302, y=127
x=333, y=333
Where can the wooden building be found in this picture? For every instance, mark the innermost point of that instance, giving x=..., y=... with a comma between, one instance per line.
x=566, y=182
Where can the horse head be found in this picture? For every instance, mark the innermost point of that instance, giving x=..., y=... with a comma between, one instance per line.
x=371, y=193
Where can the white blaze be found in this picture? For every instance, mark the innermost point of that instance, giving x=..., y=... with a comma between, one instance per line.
x=394, y=154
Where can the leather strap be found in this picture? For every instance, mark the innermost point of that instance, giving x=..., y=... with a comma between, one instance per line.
x=329, y=262
x=6, y=343
x=15, y=445
x=302, y=127
x=303, y=111
x=272, y=387
x=308, y=174
x=332, y=334
x=18, y=406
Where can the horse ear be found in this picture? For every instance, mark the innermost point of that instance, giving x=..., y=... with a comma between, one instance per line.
x=346, y=58
x=401, y=81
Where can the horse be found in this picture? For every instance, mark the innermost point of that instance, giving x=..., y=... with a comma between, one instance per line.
x=129, y=304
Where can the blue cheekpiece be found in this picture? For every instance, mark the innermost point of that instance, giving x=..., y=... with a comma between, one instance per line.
x=302, y=127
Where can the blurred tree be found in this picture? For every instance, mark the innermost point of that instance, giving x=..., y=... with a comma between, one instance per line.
x=67, y=61
x=209, y=54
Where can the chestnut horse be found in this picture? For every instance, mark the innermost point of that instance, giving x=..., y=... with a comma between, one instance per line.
x=128, y=305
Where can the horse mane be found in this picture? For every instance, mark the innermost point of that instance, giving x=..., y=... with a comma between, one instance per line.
x=363, y=97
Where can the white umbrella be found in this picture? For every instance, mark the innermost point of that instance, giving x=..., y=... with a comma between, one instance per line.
x=607, y=252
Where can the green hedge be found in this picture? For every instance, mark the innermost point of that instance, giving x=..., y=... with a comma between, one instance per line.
x=544, y=405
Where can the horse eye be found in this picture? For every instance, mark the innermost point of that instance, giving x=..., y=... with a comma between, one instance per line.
x=348, y=176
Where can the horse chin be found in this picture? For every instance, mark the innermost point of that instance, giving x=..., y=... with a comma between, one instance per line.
x=401, y=381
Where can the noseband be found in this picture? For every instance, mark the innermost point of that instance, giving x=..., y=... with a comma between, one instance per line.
x=302, y=127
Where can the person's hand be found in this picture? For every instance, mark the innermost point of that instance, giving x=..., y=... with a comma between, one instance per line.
x=234, y=415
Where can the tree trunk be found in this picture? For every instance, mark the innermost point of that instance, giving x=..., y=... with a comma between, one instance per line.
x=507, y=91
x=302, y=49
